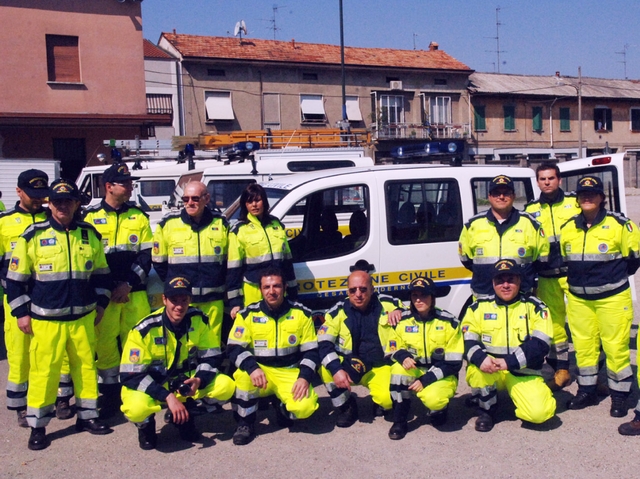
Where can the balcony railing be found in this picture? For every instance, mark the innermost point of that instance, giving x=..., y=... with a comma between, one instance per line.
x=388, y=131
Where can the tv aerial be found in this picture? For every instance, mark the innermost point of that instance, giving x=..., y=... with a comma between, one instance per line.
x=240, y=28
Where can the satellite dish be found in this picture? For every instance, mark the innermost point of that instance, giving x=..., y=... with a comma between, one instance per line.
x=239, y=29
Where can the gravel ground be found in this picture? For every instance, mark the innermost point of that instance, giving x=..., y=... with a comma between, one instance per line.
x=574, y=444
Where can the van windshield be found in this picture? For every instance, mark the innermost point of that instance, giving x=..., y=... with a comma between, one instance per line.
x=232, y=213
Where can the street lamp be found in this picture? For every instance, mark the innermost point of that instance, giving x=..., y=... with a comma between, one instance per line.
x=578, y=89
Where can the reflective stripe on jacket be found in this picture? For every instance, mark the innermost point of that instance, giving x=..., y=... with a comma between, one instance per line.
x=12, y=225
x=58, y=274
x=157, y=352
x=519, y=332
x=484, y=241
x=285, y=338
x=195, y=251
x=600, y=258
x=552, y=215
x=127, y=240
x=253, y=246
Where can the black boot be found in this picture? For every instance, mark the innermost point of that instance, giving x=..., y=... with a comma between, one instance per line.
x=348, y=413
x=63, y=409
x=93, y=425
x=188, y=431
x=110, y=400
x=484, y=421
x=245, y=431
x=618, y=405
x=438, y=418
x=38, y=439
x=582, y=400
x=400, y=414
x=147, y=437
x=282, y=415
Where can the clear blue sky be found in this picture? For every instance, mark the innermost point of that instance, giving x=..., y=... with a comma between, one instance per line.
x=536, y=37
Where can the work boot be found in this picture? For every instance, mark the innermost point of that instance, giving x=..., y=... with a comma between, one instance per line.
x=22, y=418
x=631, y=428
x=618, y=406
x=378, y=411
x=438, y=418
x=147, y=436
x=348, y=413
x=110, y=400
x=484, y=422
x=560, y=380
x=38, y=439
x=398, y=430
x=282, y=416
x=188, y=431
x=602, y=388
x=582, y=400
x=63, y=409
x=244, y=434
x=93, y=425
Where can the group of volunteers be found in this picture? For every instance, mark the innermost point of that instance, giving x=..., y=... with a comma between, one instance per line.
x=78, y=321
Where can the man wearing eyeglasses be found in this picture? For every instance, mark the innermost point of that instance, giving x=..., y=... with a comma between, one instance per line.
x=193, y=243
x=126, y=236
x=506, y=338
x=356, y=344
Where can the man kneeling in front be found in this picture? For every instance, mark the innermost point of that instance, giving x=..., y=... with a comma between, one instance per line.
x=506, y=338
x=172, y=356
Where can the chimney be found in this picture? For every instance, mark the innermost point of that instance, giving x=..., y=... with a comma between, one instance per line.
x=293, y=43
x=174, y=31
x=558, y=74
x=433, y=46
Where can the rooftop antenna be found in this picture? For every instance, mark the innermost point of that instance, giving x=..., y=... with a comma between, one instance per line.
x=274, y=26
x=239, y=29
x=414, y=40
x=624, y=59
x=497, y=39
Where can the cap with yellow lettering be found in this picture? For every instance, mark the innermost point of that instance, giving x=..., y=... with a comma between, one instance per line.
x=506, y=266
x=590, y=183
x=501, y=181
x=63, y=190
x=177, y=286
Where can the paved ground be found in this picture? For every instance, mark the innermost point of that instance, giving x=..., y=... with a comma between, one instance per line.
x=576, y=444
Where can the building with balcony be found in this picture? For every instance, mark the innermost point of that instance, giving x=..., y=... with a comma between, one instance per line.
x=402, y=96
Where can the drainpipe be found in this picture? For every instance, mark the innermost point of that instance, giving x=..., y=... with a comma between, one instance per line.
x=551, y=123
x=181, y=125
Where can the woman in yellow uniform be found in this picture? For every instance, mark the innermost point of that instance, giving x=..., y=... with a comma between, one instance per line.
x=257, y=241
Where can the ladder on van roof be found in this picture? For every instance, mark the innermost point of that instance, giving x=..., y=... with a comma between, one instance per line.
x=308, y=138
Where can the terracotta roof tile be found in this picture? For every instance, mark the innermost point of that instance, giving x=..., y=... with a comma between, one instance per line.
x=195, y=46
x=154, y=51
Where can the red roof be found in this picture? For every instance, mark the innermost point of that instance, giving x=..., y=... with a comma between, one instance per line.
x=195, y=46
x=154, y=51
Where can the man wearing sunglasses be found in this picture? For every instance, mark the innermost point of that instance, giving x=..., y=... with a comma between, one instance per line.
x=506, y=338
x=126, y=236
x=193, y=243
x=356, y=344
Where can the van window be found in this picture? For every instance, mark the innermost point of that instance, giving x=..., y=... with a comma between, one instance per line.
x=480, y=189
x=225, y=192
x=423, y=211
x=609, y=177
x=157, y=187
x=92, y=186
x=328, y=223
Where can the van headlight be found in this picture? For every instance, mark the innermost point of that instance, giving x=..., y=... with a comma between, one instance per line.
x=452, y=147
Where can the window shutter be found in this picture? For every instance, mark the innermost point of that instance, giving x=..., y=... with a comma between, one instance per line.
x=63, y=59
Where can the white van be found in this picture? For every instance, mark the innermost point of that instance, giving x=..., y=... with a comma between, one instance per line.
x=156, y=187
x=404, y=219
x=225, y=182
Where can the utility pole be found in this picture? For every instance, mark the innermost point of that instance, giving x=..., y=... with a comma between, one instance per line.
x=624, y=58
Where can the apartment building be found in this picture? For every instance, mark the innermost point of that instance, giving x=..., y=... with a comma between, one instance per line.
x=230, y=83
